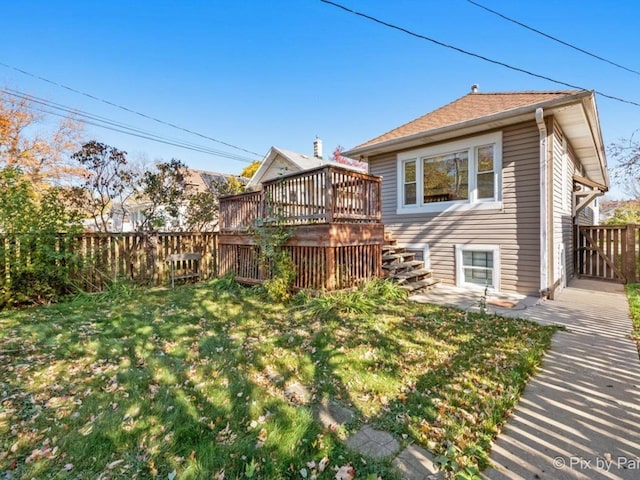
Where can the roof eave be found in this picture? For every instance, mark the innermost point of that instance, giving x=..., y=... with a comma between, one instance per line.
x=495, y=120
x=591, y=111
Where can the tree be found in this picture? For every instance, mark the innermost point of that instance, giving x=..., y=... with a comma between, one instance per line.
x=30, y=221
x=43, y=156
x=163, y=195
x=337, y=157
x=203, y=208
x=624, y=213
x=109, y=182
x=251, y=169
x=626, y=154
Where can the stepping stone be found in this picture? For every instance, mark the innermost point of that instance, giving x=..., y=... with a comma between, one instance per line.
x=331, y=414
x=416, y=463
x=373, y=443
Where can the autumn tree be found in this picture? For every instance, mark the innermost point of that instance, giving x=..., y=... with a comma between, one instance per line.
x=41, y=153
x=109, y=182
x=250, y=169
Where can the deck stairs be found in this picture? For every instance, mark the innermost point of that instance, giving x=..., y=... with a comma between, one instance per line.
x=402, y=267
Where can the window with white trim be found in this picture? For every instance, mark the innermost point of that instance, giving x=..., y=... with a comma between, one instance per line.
x=409, y=182
x=453, y=176
x=478, y=266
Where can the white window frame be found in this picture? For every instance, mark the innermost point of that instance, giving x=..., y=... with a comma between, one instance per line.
x=495, y=249
x=403, y=180
x=472, y=203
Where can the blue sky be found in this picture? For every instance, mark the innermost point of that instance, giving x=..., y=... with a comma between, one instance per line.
x=261, y=73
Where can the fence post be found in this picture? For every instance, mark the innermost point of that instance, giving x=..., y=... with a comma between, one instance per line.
x=630, y=258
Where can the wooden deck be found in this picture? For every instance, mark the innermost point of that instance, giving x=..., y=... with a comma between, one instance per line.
x=336, y=234
x=322, y=195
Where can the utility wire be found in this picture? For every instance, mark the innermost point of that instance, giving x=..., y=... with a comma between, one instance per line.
x=103, y=122
x=472, y=54
x=126, y=109
x=106, y=123
x=555, y=39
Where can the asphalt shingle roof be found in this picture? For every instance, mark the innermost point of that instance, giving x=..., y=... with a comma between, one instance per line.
x=470, y=107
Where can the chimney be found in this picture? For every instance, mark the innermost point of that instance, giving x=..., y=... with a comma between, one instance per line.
x=317, y=147
x=474, y=88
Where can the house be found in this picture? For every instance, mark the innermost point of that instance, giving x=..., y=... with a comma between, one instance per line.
x=490, y=186
x=279, y=162
x=129, y=217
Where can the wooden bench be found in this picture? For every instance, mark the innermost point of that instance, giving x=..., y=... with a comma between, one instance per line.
x=183, y=266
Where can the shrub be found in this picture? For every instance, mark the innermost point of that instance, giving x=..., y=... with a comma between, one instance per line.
x=37, y=261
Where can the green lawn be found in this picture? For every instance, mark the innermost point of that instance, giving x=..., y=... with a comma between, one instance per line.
x=192, y=382
x=633, y=295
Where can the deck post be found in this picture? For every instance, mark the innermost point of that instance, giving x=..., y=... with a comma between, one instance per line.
x=629, y=254
x=328, y=194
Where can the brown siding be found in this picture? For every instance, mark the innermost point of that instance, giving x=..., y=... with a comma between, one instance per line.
x=515, y=229
x=562, y=203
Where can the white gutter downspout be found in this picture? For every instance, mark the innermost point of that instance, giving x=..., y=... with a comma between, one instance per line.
x=544, y=254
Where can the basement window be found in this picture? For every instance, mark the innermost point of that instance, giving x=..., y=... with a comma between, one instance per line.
x=478, y=266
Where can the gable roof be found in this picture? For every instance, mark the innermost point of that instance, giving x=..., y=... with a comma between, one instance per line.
x=202, y=180
x=297, y=162
x=575, y=110
x=471, y=106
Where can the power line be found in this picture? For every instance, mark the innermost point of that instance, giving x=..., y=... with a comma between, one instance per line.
x=103, y=122
x=555, y=39
x=126, y=109
x=108, y=124
x=472, y=54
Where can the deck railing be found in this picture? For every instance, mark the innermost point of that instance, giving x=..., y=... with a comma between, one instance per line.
x=327, y=194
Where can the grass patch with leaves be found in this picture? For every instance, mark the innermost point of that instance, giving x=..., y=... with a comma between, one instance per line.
x=633, y=295
x=192, y=382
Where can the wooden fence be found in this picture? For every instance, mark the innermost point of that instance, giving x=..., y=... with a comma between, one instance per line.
x=103, y=257
x=607, y=252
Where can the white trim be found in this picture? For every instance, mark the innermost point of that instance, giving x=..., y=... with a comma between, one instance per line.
x=564, y=175
x=544, y=257
x=472, y=203
x=495, y=249
x=426, y=255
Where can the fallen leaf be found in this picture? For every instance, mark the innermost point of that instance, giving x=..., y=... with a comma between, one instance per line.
x=172, y=475
x=68, y=467
x=113, y=465
x=346, y=472
x=323, y=464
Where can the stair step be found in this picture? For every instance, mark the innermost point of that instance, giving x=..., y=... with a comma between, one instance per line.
x=398, y=256
x=406, y=276
x=403, y=265
x=419, y=284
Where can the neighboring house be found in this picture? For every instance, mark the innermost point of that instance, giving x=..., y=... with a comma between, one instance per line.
x=278, y=162
x=489, y=186
x=134, y=209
